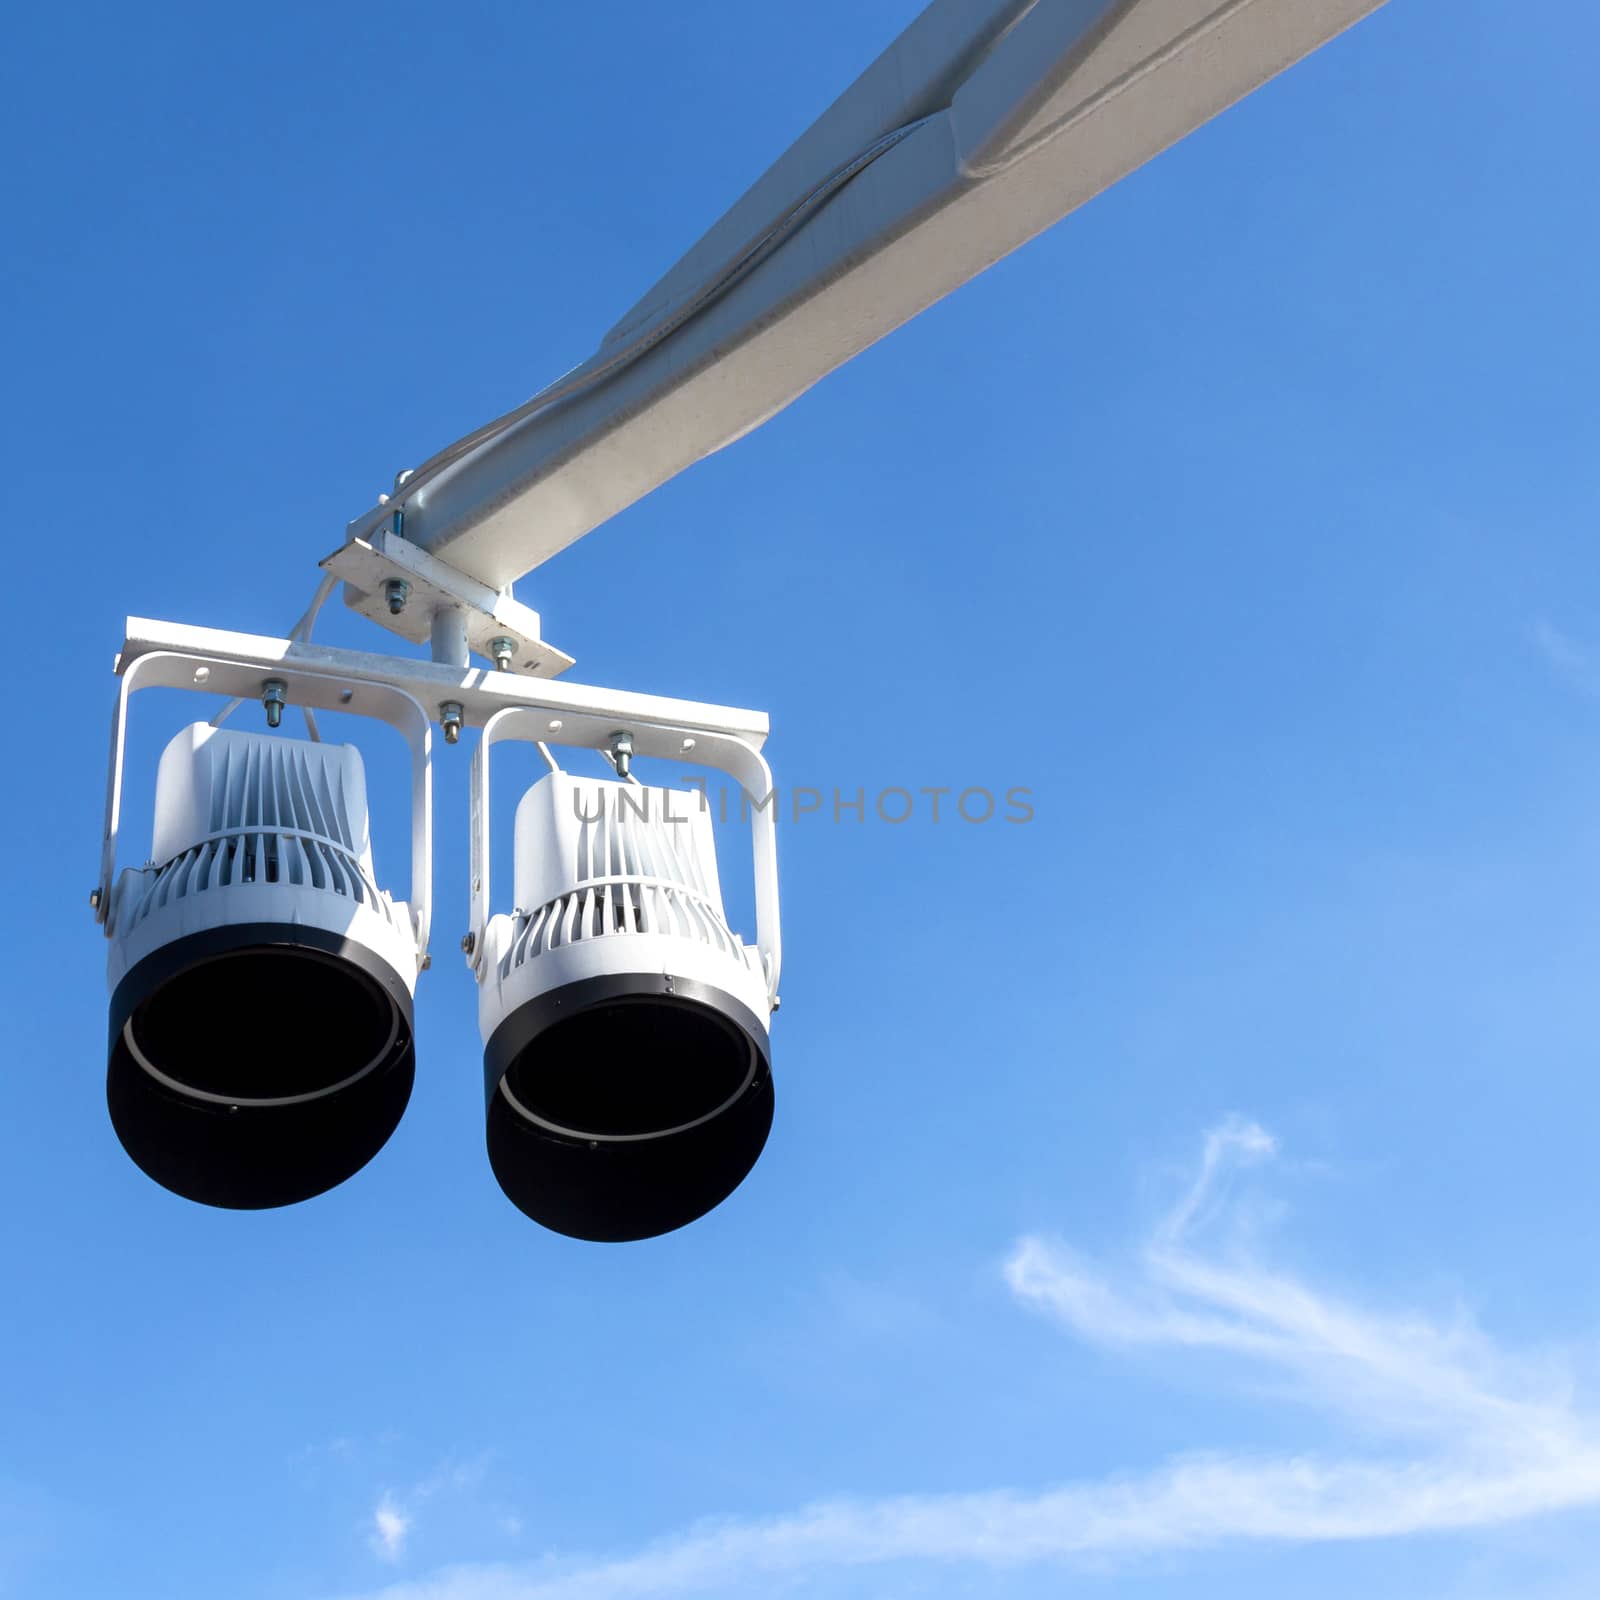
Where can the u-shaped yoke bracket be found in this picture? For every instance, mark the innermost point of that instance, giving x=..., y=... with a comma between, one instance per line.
x=504, y=705
x=310, y=686
x=669, y=741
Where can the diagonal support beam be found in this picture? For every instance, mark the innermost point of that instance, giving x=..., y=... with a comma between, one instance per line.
x=987, y=121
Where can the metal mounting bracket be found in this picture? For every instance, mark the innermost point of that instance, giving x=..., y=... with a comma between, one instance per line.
x=206, y=663
x=370, y=566
x=674, y=737
x=401, y=691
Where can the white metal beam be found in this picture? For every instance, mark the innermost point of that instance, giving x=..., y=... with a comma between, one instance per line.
x=1011, y=114
x=240, y=663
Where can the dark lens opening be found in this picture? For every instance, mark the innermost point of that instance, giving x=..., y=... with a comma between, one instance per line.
x=632, y=1066
x=335, y=1012
x=661, y=1103
x=264, y=1024
x=633, y=1189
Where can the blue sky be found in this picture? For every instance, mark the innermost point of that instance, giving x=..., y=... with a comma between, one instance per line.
x=1189, y=1192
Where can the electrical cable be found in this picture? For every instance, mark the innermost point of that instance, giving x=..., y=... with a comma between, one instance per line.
x=301, y=631
x=600, y=366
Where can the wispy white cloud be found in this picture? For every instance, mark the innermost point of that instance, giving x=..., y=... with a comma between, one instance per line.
x=390, y=1525
x=1393, y=1374
x=395, y=1514
x=1457, y=1432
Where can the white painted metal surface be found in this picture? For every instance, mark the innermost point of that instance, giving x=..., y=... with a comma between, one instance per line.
x=611, y=880
x=447, y=637
x=252, y=828
x=240, y=663
x=182, y=660
x=432, y=588
x=685, y=742
x=214, y=661
x=985, y=122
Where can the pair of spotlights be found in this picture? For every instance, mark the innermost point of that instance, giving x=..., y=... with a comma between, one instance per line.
x=262, y=1044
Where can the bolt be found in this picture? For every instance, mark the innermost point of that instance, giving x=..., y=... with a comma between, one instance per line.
x=94, y=899
x=621, y=748
x=502, y=649
x=450, y=717
x=427, y=961
x=469, y=943
x=397, y=591
x=274, y=696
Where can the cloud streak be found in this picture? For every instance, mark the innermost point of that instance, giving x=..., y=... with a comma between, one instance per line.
x=395, y=1515
x=1457, y=1433
x=390, y=1525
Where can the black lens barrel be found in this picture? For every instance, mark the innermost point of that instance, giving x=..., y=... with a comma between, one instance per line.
x=625, y=1106
x=259, y=1064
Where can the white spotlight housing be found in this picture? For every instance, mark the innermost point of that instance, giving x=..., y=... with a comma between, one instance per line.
x=261, y=1012
x=255, y=828
x=261, y=1027
x=261, y=1006
x=600, y=867
x=627, y=1063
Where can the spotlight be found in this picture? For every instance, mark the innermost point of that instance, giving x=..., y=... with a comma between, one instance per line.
x=261, y=1045
x=627, y=1064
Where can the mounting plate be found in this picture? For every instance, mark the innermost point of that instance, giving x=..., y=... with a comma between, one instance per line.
x=368, y=565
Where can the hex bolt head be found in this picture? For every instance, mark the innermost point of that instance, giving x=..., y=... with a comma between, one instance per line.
x=503, y=650
x=450, y=716
x=94, y=900
x=274, y=696
x=468, y=944
x=397, y=591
